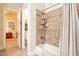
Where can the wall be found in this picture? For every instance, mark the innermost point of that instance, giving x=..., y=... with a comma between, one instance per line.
x=1, y=27
x=2, y=38
x=32, y=25
x=38, y=30
x=54, y=18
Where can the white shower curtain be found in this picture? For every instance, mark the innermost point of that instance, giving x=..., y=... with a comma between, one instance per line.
x=65, y=34
x=69, y=37
x=73, y=36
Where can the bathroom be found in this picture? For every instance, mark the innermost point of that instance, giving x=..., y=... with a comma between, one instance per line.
x=51, y=31
x=45, y=29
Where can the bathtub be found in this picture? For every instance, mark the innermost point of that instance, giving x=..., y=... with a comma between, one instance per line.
x=45, y=50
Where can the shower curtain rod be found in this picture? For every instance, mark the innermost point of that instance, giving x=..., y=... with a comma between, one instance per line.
x=50, y=7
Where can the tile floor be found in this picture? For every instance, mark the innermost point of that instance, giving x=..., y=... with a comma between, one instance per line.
x=14, y=51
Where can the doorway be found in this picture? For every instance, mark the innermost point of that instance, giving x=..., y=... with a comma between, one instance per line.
x=11, y=30
x=13, y=25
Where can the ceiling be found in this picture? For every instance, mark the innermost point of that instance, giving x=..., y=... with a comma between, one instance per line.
x=15, y=6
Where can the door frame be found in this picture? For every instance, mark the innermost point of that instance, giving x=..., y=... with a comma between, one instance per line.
x=5, y=27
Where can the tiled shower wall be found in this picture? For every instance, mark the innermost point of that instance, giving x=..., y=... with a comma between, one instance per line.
x=54, y=29
x=54, y=26
x=38, y=31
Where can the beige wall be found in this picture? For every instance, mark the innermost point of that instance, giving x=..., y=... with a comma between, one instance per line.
x=54, y=19
x=54, y=26
x=1, y=27
x=38, y=31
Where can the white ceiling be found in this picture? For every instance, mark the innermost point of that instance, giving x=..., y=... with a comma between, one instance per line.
x=15, y=6
x=49, y=4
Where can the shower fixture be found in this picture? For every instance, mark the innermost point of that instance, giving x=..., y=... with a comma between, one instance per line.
x=43, y=26
x=43, y=22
